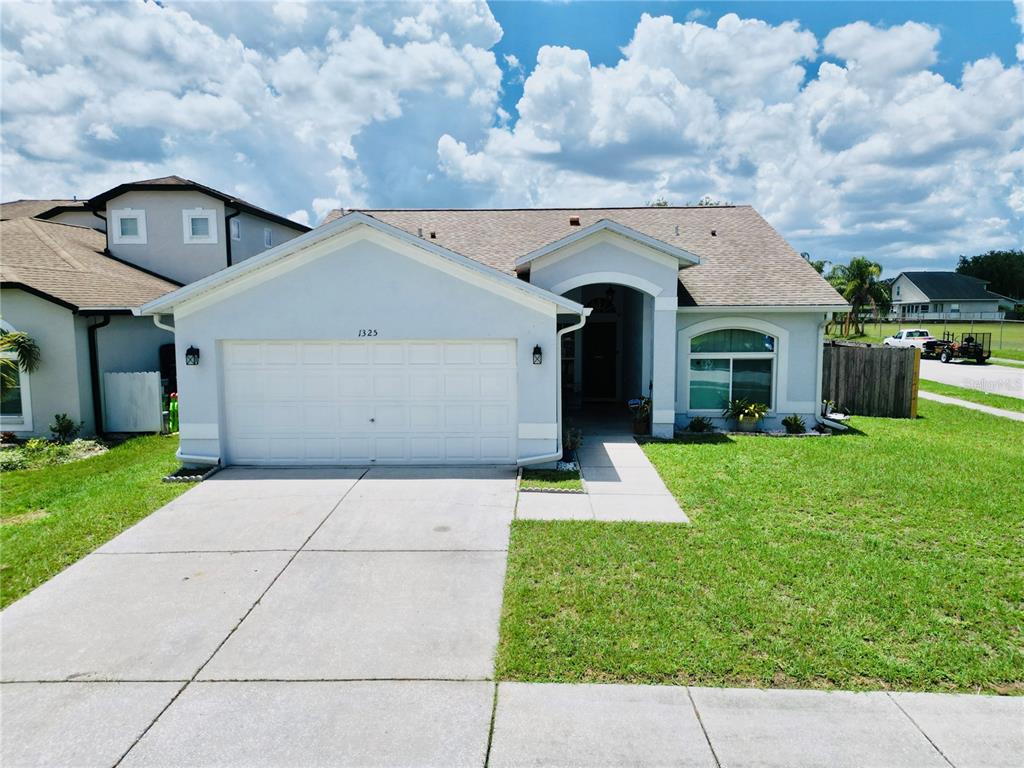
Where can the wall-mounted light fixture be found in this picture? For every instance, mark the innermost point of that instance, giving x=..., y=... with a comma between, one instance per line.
x=538, y=356
x=192, y=356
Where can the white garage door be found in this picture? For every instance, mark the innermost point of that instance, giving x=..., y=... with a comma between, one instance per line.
x=370, y=402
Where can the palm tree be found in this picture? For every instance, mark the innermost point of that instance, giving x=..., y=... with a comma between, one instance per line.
x=859, y=284
x=25, y=356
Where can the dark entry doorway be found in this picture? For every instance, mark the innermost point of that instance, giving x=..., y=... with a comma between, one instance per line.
x=599, y=361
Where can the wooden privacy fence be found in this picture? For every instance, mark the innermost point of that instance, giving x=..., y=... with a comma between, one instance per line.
x=872, y=381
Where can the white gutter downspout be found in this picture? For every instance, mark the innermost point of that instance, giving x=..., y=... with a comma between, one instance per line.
x=164, y=326
x=820, y=416
x=545, y=457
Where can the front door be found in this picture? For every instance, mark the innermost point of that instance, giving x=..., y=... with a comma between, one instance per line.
x=599, y=363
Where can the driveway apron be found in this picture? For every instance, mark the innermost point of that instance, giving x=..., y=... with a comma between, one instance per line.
x=272, y=617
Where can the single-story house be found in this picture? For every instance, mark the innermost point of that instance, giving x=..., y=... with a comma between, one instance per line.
x=58, y=286
x=452, y=336
x=945, y=296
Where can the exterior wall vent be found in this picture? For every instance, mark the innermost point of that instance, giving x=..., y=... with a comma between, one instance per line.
x=574, y=221
x=433, y=235
x=714, y=233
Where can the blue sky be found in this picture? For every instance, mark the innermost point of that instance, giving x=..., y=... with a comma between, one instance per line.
x=893, y=130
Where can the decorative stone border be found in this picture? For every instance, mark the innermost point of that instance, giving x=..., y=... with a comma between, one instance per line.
x=193, y=475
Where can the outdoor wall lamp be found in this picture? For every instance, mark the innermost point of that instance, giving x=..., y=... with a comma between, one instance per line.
x=192, y=356
x=537, y=355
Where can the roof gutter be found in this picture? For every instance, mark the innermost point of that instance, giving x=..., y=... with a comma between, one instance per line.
x=546, y=457
x=227, y=232
x=94, y=374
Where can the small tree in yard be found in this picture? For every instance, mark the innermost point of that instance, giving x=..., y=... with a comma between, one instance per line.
x=859, y=284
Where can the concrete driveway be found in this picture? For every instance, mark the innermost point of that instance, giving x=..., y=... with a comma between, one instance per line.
x=996, y=379
x=293, y=617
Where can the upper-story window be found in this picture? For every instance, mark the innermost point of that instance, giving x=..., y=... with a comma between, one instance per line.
x=128, y=226
x=236, y=229
x=730, y=364
x=268, y=237
x=200, y=225
x=897, y=290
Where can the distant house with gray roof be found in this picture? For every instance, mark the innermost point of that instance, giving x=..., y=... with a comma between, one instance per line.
x=945, y=296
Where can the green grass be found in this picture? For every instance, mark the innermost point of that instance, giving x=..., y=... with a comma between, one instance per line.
x=53, y=516
x=551, y=480
x=1006, y=364
x=1005, y=402
x=885, y=558
x=1009, y=345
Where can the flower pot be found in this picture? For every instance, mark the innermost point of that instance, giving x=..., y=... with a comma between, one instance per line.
x=642, y=427
x=746, y=425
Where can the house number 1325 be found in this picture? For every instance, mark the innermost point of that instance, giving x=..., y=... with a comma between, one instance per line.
x=368, y=332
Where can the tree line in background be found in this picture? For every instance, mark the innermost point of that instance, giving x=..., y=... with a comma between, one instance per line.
x=1004, y=271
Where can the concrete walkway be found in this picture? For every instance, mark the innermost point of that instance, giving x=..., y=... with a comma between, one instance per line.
x=619, y=480
x=973, y=406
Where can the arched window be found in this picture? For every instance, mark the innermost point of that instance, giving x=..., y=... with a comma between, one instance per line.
x=15, y=402
x=731, y=364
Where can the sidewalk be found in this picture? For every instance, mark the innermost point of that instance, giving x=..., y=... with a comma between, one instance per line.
x=542, y=724
x=973, y=406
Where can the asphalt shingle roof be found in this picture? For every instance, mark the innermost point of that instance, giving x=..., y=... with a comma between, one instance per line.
x=744, y=261
x=68, y=263
x=20, y=209
x=942, y=286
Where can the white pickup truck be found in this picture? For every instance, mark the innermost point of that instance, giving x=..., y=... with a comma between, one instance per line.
x=908, y=337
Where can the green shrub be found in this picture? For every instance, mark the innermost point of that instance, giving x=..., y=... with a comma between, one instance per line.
x=12, y=459
x=700, y=424
x=64, y=429
x=794, y=424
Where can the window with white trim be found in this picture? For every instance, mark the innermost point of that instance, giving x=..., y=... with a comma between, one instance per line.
x=15, y=400
x=731, y=364
x=128, y=226
x=268, y=237
x=236, y=229
x=199, y=225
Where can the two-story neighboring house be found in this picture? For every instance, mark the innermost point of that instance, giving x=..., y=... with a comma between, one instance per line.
x=71, y=270
x=945, y=296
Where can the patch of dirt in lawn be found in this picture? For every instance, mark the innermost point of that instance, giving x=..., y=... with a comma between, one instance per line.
x=28, y=517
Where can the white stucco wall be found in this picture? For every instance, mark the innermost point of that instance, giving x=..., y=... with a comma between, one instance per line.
x=81, y=218
x=165, y=250
x=250, y=240
x=363, y=280
x=796, y=367
x=54, y=384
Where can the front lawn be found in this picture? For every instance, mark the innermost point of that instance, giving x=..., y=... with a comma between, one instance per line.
x=1005, y=402
x=886, y=558
x=53, y=516
x=551, y=480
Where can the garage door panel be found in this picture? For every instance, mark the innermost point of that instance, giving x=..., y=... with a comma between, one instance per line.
x=497, y=448
x=320, y=449
x=281, y=354
x=389, y=386
x=388, y=354
x=317, y=354
x=497, y=354
x=318, y=386
x=424, y=354
x=495, y=386
x=496, y=418
x=352, y=385
x=461, y=385
x=354, y=449
x=353, y=354
x=368, y=402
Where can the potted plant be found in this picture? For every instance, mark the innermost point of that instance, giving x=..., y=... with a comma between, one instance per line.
x=745, y=413
x=641, y=409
